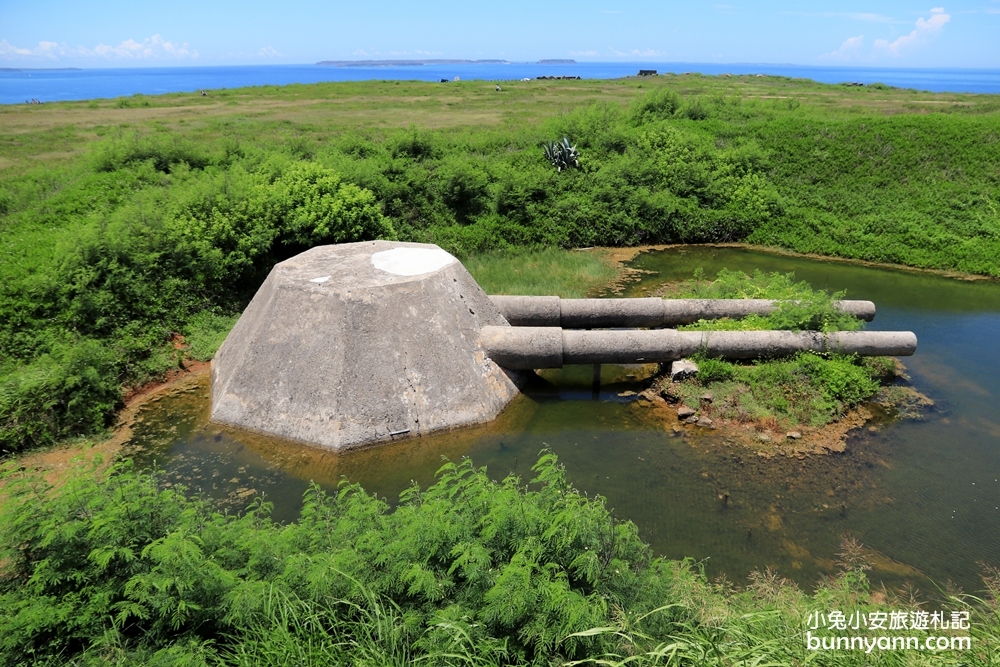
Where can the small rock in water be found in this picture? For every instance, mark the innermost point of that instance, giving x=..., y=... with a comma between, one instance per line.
x=626, y=394
x=669, y=394
x=648, y=395
x=793, y=435
x=682, y=369
x=691, y=420
x=684, y=412
x=704, y=421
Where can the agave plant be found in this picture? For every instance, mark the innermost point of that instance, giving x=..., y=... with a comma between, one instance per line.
x=561, y=154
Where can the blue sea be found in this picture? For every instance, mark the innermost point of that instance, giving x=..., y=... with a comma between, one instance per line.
x=18, y=86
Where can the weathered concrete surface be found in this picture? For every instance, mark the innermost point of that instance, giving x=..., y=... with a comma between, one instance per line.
x=551, y=311
x=522, y=348
x=358, y=343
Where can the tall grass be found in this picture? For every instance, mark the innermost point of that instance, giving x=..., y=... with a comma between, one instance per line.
x=549, y=272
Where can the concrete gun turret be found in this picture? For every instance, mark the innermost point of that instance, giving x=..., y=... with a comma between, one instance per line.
x=350, y=345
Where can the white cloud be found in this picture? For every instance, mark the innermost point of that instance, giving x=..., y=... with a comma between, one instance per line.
x=151, y=48
x=645, y=53
x=849, y=50
x=154, y=47
x=43, y=50
x=869, y=17
x=269, y=52
x=925, y=31
x=7, y=49
x=853, y=48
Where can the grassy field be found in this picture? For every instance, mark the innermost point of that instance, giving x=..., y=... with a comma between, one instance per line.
x=127, y=222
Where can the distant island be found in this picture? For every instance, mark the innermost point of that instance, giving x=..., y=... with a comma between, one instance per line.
x=38, y=69
x=406, y=63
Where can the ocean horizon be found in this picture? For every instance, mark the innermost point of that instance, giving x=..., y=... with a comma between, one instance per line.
x=18, y=86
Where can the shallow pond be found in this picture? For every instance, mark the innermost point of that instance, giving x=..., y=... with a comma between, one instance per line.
x=923, y=495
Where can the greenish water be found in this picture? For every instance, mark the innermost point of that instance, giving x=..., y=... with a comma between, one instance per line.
x=923, y=494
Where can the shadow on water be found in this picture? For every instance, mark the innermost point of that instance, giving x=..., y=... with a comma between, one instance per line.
x=922, y=494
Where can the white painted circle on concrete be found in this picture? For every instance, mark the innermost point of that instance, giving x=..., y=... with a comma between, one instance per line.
x=411, y=261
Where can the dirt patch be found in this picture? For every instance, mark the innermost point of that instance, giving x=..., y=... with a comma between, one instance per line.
x=141, y=393
x=768, y=439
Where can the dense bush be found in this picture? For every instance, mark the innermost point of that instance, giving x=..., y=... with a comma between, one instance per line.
x=71, y=389
x=151, y=253
x=801, y=308
x=122, y=567
x=467, y=571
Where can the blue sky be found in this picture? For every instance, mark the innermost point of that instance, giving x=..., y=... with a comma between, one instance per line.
x=126, y=33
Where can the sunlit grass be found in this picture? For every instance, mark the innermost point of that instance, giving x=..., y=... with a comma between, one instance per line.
x=550, y=272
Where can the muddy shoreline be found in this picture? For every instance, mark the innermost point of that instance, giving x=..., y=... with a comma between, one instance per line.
x=54, y=464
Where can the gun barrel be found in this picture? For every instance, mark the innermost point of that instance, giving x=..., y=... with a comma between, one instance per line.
x=552, y=311
x=526, y=348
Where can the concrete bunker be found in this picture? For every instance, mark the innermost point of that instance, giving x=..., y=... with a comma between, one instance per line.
x=351, y=345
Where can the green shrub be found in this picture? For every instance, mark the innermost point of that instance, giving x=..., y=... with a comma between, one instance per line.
x=656, y=105
x=70, y=390
x=696, y=110
x=163, y=151
x=205, y=332
x=520, y=571
x=141, y=267
x=801, y=308
x=715, y=370
x=467, y=571
x=805, y=389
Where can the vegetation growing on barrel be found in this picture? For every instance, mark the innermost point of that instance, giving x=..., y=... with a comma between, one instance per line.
x=469, y=571
x=808, y=389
